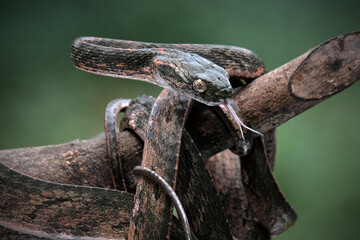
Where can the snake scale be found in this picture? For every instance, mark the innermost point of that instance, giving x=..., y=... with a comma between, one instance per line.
x=189, y=73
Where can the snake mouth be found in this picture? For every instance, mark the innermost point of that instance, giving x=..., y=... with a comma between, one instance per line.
x=223, y=94
x=210, y=102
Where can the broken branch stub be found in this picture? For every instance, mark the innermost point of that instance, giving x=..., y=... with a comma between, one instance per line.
x=287, y=91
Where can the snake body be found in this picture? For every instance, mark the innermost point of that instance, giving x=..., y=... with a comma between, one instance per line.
x=191, y=73
x=199, y=72
x=174, y=66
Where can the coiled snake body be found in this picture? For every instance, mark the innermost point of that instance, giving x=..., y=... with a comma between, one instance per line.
x=198, y=71
x=189, y=71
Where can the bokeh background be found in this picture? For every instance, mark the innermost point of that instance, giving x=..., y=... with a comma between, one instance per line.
x=44, y=100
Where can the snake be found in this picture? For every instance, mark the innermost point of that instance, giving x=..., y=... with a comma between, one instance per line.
x=194, y=72
x=187, y=72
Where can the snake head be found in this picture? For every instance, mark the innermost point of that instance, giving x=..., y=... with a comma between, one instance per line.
x=193, y=76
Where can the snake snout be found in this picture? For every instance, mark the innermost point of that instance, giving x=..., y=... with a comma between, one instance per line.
x=225, y=93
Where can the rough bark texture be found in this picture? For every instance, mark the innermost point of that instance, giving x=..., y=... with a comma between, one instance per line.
x=266, y=103
x=46, y=209
x=318, y=74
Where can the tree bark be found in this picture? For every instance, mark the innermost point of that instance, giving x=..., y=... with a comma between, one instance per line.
x=266, y=103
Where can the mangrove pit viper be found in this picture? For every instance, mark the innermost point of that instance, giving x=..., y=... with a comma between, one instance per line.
x=188, y=72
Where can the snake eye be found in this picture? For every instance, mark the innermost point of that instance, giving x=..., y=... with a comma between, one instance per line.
x=199, y=85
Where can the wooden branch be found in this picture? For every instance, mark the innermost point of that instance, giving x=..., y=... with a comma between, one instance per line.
x=266, y=103
x=287, y=91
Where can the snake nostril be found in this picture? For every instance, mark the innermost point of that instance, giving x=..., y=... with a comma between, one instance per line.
x=225, y=92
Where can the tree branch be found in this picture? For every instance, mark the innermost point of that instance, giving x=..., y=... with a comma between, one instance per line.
x=266, y=103
x=287, y=91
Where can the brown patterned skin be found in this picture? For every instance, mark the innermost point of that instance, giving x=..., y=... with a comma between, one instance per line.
x=238, y=62
x=227, y=177
x=112, y=139
x=224, y=167
x=178, y=67
x=189, y=75
x=174, y=66
x=168, y=67
x=170, y=152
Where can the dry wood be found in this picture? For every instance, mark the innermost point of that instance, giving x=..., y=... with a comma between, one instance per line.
x=318, y=74
x=266, y=103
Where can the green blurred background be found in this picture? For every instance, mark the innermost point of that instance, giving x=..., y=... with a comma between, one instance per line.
x=45, y=100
